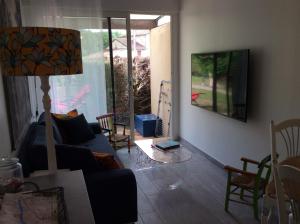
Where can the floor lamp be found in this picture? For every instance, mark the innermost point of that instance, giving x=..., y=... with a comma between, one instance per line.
x=41, y=51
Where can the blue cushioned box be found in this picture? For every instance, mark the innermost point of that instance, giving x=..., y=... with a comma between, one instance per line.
x=145, y=125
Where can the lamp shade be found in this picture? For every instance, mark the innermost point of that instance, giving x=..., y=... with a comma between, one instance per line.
x=40, y=51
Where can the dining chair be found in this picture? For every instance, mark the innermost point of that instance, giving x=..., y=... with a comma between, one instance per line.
x=285, y=142
x=290, y=183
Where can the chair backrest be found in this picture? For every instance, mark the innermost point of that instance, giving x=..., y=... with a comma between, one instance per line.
x=264, y=167
x=106, y=121
x=285, y=136
x=290, y=181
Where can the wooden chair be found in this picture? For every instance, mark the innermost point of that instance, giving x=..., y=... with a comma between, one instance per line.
x=245, y=181
x=285, y=136
x=107, y=125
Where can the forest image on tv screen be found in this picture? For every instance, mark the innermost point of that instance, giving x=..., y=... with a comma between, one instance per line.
x=219, y=82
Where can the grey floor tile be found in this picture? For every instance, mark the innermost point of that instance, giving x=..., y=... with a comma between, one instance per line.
x=185, y=193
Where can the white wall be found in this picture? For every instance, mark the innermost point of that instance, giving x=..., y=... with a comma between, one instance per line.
x=270, y=29
x=5, y=146
x=160, y=66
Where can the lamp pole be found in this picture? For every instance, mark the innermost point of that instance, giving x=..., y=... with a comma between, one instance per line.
x=51, y=152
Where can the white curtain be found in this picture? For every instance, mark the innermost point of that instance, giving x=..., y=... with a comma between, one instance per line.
x=86, y=92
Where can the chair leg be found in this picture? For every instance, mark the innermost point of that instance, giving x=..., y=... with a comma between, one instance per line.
x=242, y=194
x=128, y=145
x=267, y=207
x=227, y=197
x=255, y=204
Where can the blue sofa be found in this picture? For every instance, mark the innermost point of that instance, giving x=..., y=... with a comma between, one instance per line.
x=112, y=193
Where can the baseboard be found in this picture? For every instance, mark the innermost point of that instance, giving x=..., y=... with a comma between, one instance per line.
x=194, y=148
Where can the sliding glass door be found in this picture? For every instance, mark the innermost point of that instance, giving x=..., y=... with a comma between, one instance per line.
x=118, y=66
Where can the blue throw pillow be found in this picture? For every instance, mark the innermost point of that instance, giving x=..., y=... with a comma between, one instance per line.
x=40, y=136
x=75, y=130
x=56, y=132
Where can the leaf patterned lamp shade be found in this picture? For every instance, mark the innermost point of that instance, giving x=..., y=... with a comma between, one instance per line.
x=40, y=51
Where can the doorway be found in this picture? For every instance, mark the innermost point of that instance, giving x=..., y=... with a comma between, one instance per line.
x=118, y=67
x=151, y=52
x=137, y=56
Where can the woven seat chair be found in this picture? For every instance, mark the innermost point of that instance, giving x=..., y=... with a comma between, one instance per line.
x=242, y=181
x=107, y=125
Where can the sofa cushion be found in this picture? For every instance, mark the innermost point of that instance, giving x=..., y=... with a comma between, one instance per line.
x=75, y=130
x=56, y=133
x=107, y=160
x=95, y=127
x=68, y=157
x=99, y=144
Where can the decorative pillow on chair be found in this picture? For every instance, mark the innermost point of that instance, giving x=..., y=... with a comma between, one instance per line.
x=75, y=130
x=107, y=160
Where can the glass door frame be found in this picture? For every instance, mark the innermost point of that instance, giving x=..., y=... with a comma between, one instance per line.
x=126, y=16
x=175, y=124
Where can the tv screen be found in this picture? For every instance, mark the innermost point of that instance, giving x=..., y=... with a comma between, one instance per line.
x=219, y=82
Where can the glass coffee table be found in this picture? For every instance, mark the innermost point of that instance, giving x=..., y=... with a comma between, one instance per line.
x=156, y=160
x=148, y=153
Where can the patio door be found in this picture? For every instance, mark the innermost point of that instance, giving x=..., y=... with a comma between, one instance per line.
x=118, y=70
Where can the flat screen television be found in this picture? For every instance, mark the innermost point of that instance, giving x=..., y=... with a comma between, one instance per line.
x=219, y=82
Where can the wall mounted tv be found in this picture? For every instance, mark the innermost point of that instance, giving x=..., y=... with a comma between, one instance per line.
x=219, y=82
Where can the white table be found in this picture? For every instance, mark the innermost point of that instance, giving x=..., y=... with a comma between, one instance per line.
x=75, y=193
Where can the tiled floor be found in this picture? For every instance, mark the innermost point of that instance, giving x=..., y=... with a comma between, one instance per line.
x=184, y=193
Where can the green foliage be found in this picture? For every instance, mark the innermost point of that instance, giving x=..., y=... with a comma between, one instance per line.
x=109, y=95
x=202, y=65
x=205, y=100
x=91, y=40
x=222, y=64
x=141, y=85
x=121, y=89
x=141, y=88
x=105, y=37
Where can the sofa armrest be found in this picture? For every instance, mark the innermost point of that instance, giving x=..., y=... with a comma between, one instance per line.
x=95, y=127
x=110, y=191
